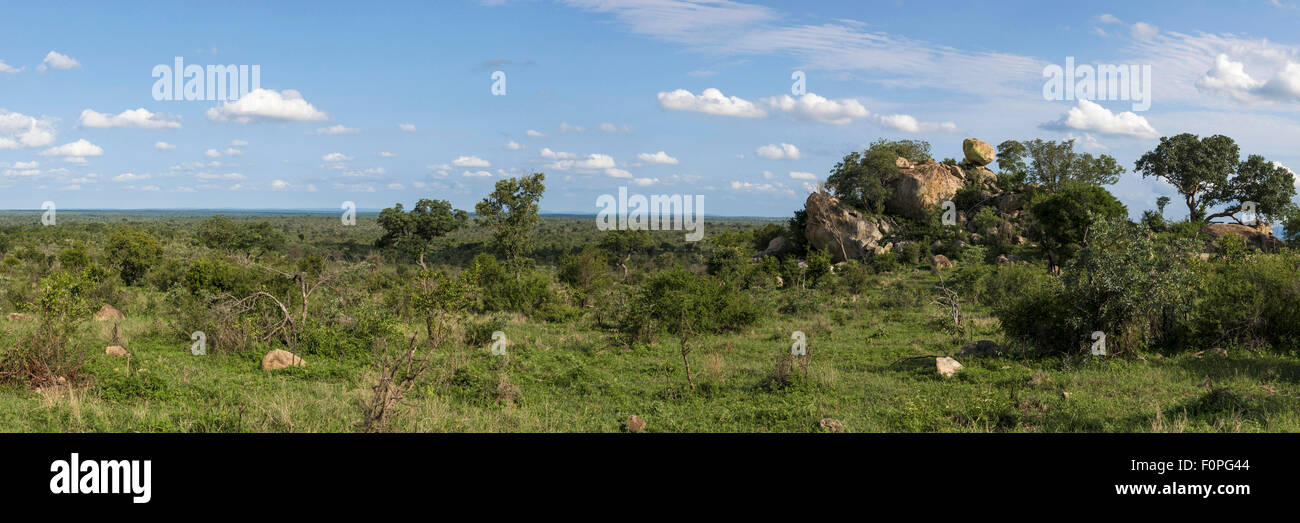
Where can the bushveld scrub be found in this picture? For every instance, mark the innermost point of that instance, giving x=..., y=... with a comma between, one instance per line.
x=398, y=315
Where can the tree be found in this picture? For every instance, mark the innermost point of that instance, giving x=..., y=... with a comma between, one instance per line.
x=1258, y=180
x=1011, y=161
x=1065, y=216
x=1161, y=202
x=1199, y=168
x=1055, y=164
x=415, y=231
x=621, y=244
x=862, y=180
x=511, y=211
x=133, y=252
x=689, y=305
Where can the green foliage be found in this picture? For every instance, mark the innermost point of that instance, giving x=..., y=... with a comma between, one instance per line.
x=132, y=251
x=1056, y=164
x=212, y=276
x=223, y=234
x=511, y=211
x=1065, y=216
x=862, y=180
x=527, y=291
x=55, y=348
x=1199, y=168
x=686, y=304
x=416, y=230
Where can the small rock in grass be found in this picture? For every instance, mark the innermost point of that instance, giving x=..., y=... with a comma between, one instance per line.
x=634, y=424
x=116, y=350
x=831, y=425
x=279, y=359
x=947, y=366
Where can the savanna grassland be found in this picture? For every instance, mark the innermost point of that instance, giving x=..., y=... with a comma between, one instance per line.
x=589, y=344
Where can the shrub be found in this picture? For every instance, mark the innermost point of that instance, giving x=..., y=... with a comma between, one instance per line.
x=56, y=348
x=132, y=252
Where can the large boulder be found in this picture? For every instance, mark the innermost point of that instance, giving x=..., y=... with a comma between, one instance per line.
x=947, y=367
x=923, y=187
x=844, y=232
x=1255, y=237
x=109, y=313
x=978, y=152
x=776, y=247
x=279, y=359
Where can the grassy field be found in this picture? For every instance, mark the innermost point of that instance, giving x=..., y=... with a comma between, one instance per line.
x=870, y=365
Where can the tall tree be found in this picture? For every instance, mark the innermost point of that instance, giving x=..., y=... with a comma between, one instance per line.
x=511, y=211
x=1056, y=164
x=1198, y=167
x=416, y=230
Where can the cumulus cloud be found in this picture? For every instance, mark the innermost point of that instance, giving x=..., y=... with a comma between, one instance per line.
x=771, y=187
x=534, y=134
x=336, y=157
x=387, y=154
x=612, y=128
x=408, y=127
x=645, y=182
x=1144, y=31
x=8, y=69
x=660, y=157
x=19, y=130
x=554, y=155
x=137, y=118
x=336, y=130
x=470, y=161
x=565, y=127
x=513, y=145
x=1091, y=117
x=908, y=123
x=711, y=101
x=476, y=174
x=814, y=108
x=220, y=176
x=783, y=151
x=267, y=105
x=56, y=60
x=71, y=151
x=799, y=175
x=617, y=173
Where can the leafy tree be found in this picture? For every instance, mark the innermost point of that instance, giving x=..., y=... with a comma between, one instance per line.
x=1161, y=202
x=416, y=230
x=621, y=244
x=1258, y=180
x=1056, y=164
x=132, y=252
x=1065, y=216
x=862, y=180
x=511, y=210
x=1011, y=161
x=1200, y=168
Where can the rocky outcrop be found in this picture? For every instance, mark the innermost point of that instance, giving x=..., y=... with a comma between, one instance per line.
x=978, y=152
x=1255, y=237
x=844, y=232
x=776, y=247
x=921, y=188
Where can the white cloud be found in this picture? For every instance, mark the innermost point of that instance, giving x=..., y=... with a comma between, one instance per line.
x=1144, y=31
x=711, y=101
x=26, y=165
x=476, y=174
x=799, y=175
x=220, y=176
x=470, y=161
x=513, y=145
x=8, y=69
x=267, y=105
x=534, y=134
x=370, y=172
x=660, y=157
x=908, y=123
x=611, y=128
x=784, y=151
x=565, y=127
x=594, y=161
x=396, y=187
x=408, y=127
x=336, y=157
x=617, y=173
x=138, y=118
x=55, y=60
x=645, y=182
x=78, y=149
x=750, y=187
x=238, y=143
x=279, y=185
x=19, y=130
x=387, y=154
x=212, y=153
x=811, y=107
x=1089, y=116
x=553, y=155
x=130, y=177
x=1109, y=19
x=336, y=130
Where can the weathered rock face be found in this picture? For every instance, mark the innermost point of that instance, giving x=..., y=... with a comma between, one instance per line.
x=109, y=313
x=1255, y=237
x=923, y=187
x=776, y=247
x=947, y=367
x=978, y=152
x=279, y=359
x=842, y=231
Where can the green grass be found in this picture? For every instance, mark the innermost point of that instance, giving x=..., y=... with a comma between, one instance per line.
x=870, y=366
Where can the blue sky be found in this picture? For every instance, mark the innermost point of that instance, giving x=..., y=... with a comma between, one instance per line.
x=604, y=88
